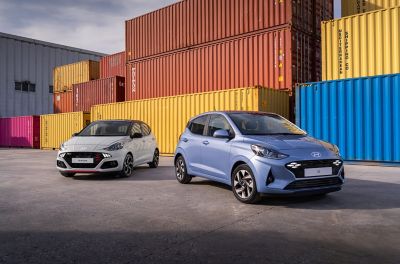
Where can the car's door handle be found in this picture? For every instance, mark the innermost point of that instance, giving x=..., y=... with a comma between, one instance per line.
x=185, y=139
x=206, y=142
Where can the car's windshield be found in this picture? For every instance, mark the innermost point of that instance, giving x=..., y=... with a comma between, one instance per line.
x=106, y=129
x=264, y=124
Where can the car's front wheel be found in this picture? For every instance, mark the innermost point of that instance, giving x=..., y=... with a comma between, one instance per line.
x=67, y=174
x=244, y=185
x=156, y=159
x=181, y=171
x=127, y=168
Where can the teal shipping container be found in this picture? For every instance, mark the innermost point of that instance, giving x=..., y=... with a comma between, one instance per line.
x=361, y=116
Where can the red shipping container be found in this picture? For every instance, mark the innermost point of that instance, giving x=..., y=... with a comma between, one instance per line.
x=193, y=22
x=101, y=91
x=63, y=102
x=21, y=131
x=276, y=59
x=113, y=65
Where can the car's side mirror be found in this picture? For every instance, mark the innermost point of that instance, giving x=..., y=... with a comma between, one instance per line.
x=221, y=133
x=136, y=135
x=75, y=134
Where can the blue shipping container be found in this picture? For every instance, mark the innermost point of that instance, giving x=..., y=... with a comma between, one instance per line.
x=361, y=116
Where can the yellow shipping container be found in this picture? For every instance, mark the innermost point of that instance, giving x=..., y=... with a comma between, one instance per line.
x=361, y=45
x=57, y=128
x=168, y=116
x=67, y=75
x=353, y=7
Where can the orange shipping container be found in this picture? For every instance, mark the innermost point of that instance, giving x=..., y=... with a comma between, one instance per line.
x=63, y=102
x=113, y=65
x=193, y=22
x=277, y=59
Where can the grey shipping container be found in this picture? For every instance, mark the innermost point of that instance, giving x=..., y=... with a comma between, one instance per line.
x=26, y=73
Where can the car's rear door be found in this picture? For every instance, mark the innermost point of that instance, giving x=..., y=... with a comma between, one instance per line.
x=148, y=144
x=137, y=144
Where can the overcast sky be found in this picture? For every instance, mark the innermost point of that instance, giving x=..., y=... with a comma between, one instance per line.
x=88, y=24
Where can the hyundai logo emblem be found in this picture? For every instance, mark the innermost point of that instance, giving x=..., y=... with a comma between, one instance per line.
x=316, y=154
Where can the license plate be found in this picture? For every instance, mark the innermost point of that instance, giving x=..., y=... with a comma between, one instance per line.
x=317, y=172
x=82, y=160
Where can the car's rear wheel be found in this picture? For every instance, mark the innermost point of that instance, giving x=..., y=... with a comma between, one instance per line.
x=67, y=174
x=181, y=171
x=156, y=159
x=244, y=185
x=127, y=168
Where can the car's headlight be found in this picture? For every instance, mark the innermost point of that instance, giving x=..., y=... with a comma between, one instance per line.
x=115, y=146
x=267, y=153
x=336, y=150
x=62, y=147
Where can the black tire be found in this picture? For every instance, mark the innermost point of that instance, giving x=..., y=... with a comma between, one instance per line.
x=244, y=185
x=181, y=171
x=67, y=174
x=156, y=159
x=127, y=168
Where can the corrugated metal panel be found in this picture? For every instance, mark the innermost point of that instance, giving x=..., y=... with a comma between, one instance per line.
x=63, y=102
x=67, y=75
x=276, y=59
x=354, y=7
x=23, y=59
x=102, y=91
x=168, y=116
x=21, y=131
x=57, y=128
x=361, y=116
x=362, y=45
x=113, y=65
x=193, y=22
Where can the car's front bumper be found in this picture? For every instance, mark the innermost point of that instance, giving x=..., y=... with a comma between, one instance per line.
x=106, y=164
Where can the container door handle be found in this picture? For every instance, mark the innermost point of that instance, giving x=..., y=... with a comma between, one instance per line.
x=185, y=139
x=206, y=142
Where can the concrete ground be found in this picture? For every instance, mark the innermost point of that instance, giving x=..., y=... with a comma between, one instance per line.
x=151, y=218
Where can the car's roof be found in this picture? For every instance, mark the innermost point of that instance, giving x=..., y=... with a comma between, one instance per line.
x=238, y=112
x=119, y=120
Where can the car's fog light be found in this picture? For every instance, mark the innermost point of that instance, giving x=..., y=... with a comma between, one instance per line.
x=62, y=155
x=293, y=165
x=106, y=155
x=337, y=162
x=270, y=178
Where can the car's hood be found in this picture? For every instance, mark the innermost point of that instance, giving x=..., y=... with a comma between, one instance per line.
x=91, y=143
x=289, y=142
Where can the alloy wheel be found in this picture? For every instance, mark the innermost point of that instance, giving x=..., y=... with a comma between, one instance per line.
x=180, y=169
x=243, y=184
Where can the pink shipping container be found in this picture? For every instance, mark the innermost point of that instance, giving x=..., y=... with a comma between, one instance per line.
x=113, y=65
x=190, y=23
x=276, y=59
x=101, y=91
x=21, y=131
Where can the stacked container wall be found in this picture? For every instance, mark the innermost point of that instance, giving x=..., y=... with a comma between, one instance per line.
x=361, y=116
x=57, y=128
x=63, y=102
x=67, y=75
x=21, y=131
x=361, y=45
x=195, y=22
x=276, y=59
x=168, y=116
x=113, y=65
x=100, y=91
x=353, y=7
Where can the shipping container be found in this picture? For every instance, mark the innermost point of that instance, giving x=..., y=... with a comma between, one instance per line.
x=113, y=65
x=276, y=59
x=101, y=91
x=57, y=128
x=168, y=116
x=194, y=22
x=26, y=73
x=361, y=116
x=20, y=131
x=63, y=102
x=67, y=75
x=361, y=45
x=353, y=7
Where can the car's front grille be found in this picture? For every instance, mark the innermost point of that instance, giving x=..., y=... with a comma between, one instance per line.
x=297, y=167
x=314, y=183
x=97, y=158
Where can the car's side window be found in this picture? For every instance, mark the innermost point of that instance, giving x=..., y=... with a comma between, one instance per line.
x=146, y=129
x=218, y=122
x=197, y=125
x=136, y=128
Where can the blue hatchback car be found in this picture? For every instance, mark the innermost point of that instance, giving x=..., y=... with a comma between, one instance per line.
x=257, y=153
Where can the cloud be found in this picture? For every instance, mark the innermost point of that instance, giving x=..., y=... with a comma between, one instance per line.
x=96, y=25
